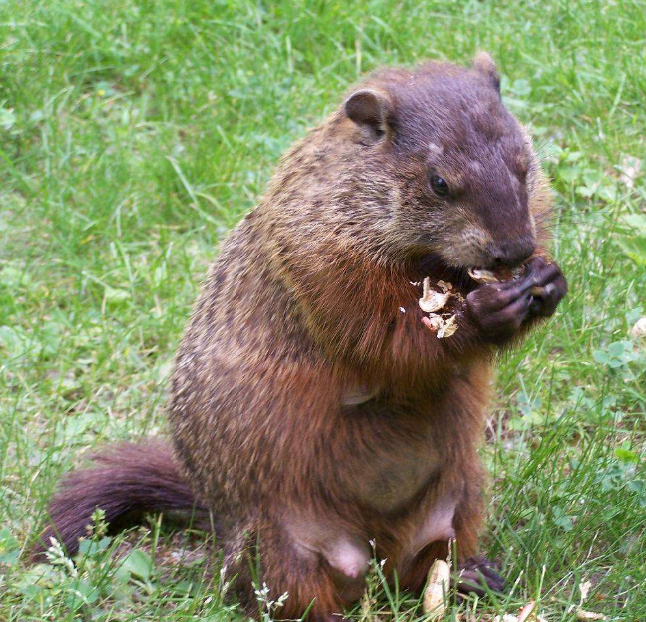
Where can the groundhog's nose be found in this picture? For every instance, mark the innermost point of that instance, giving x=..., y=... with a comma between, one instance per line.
x=511, y=252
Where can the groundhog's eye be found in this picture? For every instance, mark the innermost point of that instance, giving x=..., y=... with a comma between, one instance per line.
x=439, y=185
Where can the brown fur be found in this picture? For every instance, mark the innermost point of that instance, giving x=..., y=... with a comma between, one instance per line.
x=302, y=308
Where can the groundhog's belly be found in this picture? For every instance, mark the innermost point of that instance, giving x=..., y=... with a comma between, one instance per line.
x=388, y=465
x=398, y=475
x=391, y=481
x=348, y=552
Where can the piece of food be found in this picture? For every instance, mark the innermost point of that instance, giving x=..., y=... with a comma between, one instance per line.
x=442, y=327
x=526, y=614
x=433, y=321
x=581, y=614
x=526, y=611
x=437, y=589
x=495, y=276
x=482, y=276
x=432, y=301
x=638, y=331
x=447, y=288
x=448, y=327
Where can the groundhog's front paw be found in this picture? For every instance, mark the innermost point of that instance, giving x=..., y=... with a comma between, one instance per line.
x=477, y=575
x=498, y=310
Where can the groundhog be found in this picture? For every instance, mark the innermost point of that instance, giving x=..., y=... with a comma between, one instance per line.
x=315, y=414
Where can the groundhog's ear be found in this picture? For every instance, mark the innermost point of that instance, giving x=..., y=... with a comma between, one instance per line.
x=483, y=63
x=370, y=110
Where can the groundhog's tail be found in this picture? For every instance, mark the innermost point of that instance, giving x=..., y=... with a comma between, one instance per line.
x=125, y=481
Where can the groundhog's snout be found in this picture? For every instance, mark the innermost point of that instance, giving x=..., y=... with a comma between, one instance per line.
x=511, y=252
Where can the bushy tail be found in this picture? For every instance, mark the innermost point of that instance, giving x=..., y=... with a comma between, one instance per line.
x=124, y=480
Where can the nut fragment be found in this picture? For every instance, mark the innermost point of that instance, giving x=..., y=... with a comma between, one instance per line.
x=526, y=611
x=639, y=329
x=436, y=589
x=631, y=168
x=581, y=614
x=432, y=301
x=443, y=328
x=433, y=321
x=489, y=276
x=585, y=589
x=482, y=276
x=448, y=328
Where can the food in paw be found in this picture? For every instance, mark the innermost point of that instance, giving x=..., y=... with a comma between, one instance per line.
x=497, y=275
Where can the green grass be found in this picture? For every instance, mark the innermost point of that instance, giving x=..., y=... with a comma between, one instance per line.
x=133, y=135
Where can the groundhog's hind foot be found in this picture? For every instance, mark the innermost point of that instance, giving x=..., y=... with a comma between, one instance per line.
x=478, y=575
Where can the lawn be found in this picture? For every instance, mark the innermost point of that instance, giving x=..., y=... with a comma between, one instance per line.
x=135, y=133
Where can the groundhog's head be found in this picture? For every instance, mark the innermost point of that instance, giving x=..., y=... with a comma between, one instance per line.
x=463, y=171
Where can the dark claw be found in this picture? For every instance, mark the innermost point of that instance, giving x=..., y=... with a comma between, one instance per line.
x=478, y=576
x=469, y=582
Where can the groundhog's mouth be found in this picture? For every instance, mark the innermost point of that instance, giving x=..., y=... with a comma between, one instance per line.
x=495, y=275
x=465, y=277
x=434, y=265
